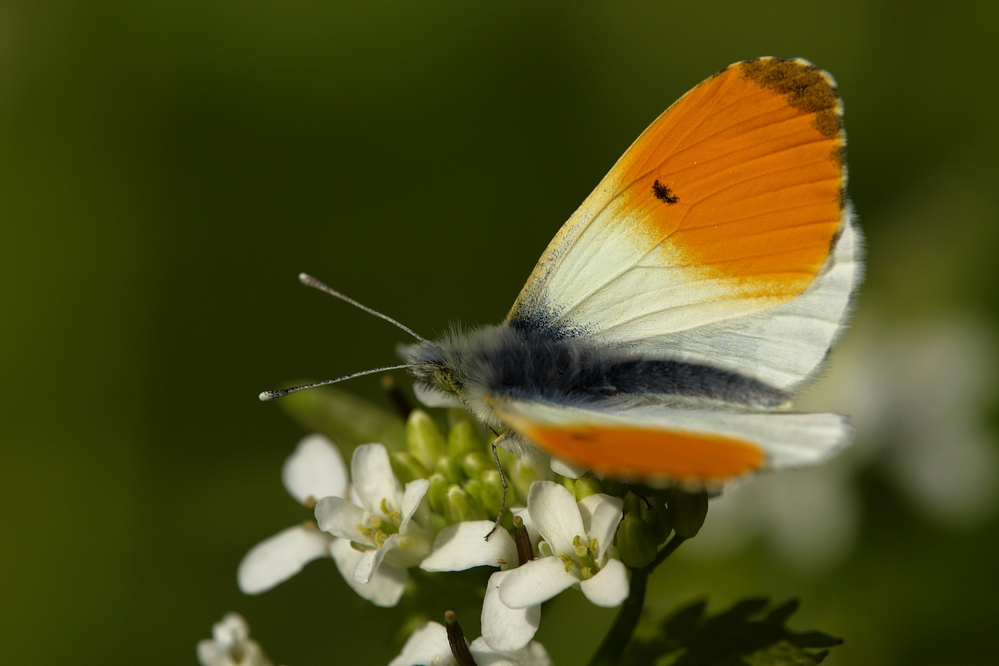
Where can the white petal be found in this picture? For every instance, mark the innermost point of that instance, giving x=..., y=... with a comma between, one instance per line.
x=280, y=557
x=554, y=512
x=609, y=587
x=427, y=646
x=532, y=654
x=462, y=546
x=372, y=559
x=340, y=518
x=212, y=654
x=249, y=654
x=415, y=491
x=601, y=516
x=316, y=469
x=386, y=585
x=397, y=550
x=535, y=582
x=567, y=469
x=231, y=632
x=231, y=643
x=373, y=480
x=506, y=629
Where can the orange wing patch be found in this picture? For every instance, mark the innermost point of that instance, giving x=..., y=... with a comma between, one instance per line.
x=645, y=452
x=743, y=176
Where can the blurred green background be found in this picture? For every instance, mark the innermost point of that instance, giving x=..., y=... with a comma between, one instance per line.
x=167, y=168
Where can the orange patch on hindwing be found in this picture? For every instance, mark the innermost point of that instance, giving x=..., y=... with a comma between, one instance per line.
x=643, y=452
x=752, y=162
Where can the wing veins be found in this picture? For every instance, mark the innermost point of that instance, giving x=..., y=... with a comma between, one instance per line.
x=730, y=186
x=611, y=278
x=760, y=233
x=750, y=160
x=714, y=107
x=630, y=320
x=672, y=155
x=703, y=118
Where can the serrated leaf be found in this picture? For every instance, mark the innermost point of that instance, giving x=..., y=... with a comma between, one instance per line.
x=783, y=653
x=744, y=609
x=782, y=613
x=745, y=634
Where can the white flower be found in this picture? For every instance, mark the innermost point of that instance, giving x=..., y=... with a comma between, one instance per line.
x=231, y=645
x=384, y=529
x=575, y=550
x=314, y=470
x=428, y=646
x=462, y=546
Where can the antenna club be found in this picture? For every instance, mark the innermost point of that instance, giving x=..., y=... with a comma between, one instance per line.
x=310, y=281
x=280, y=393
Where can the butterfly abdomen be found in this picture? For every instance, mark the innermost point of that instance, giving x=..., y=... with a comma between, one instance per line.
x=526, y=364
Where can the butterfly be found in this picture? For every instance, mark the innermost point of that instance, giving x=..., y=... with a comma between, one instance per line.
x=668, y=326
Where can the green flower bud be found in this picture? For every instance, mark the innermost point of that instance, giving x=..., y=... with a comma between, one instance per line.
x=438, y=521
x=656, y=517
x=437, y=493
x=632, y=502
x=636, y=542
x=585, y=486
x=459, y=506
x=450, y=468
x=474, y=488
x=525, y=470
x=407, y=467
x=492, y=492
x=688, y=511
x=474, y=464
x=462, y=439
x=424, y=439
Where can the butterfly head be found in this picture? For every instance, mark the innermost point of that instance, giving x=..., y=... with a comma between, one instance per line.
x=437, y=371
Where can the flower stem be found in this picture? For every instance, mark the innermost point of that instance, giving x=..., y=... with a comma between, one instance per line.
x=667, y=550
x=610, y=650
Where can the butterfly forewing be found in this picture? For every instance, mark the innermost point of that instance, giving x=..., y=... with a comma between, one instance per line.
x=728, y=206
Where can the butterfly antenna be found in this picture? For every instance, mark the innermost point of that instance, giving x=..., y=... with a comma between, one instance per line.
x=271, y=395
x=310, y=281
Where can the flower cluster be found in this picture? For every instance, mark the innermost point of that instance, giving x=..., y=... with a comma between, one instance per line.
x=231, y=645
x=424, y=501
x=430, y=504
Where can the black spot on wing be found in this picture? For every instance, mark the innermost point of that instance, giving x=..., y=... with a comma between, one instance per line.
x=664, y=193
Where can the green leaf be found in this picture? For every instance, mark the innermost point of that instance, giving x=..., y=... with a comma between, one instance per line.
x=345, y=418
x=745, y=634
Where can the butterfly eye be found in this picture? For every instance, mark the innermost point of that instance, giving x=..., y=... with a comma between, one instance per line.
x=445, y=381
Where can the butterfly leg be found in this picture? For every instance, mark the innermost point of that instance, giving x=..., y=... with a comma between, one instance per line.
x=499, y=468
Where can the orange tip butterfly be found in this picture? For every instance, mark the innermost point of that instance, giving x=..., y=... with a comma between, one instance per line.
x=670, y=322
